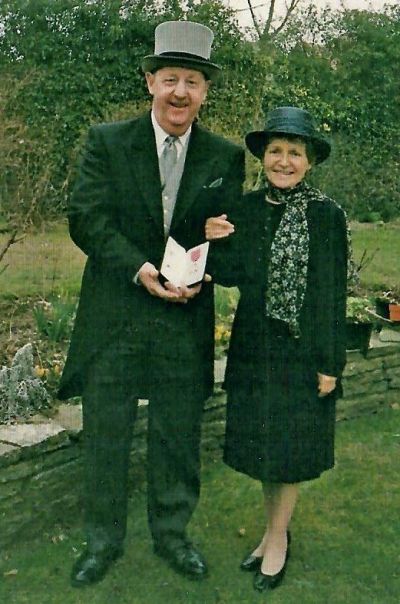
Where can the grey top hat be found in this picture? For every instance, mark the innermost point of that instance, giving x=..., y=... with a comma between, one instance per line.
x=292, y=121
x=182, y=44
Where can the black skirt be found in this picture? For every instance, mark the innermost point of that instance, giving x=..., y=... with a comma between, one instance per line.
x=278, y=429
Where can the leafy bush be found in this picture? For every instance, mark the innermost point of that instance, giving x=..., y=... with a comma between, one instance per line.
x=21, y=391
x=67, y=63
x=363, y=177
x=360, y=309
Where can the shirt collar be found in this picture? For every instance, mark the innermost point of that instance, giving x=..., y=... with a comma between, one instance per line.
x=161, y=135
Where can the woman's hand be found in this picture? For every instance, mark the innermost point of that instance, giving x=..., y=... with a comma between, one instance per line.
x=218, y=227
x=326, y=384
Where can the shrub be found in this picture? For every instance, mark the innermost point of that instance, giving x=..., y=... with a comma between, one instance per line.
x=54, y=318
x=362, y=178
x=21, y=391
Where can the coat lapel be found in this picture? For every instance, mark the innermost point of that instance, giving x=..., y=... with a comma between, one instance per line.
x=141, y=152
x=198, y=167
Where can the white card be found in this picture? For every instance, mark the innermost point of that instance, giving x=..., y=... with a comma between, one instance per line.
x=184, y=267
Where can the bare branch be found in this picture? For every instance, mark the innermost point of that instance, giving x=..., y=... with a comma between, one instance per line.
x=291, y=8
x=270, y=17
x=9, y=242
x=268, y=32
x=254, y=18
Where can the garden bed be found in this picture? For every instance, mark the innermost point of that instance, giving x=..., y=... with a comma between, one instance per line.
x=41, y=461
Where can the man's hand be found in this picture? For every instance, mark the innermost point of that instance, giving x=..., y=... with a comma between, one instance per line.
x=187, y=293
x=326, y=384
x=148, y=277
x=218, y=227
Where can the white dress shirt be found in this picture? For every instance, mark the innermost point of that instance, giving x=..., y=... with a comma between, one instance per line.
x=161, y=135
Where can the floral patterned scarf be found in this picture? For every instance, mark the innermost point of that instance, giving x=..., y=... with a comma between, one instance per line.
x=287, y=274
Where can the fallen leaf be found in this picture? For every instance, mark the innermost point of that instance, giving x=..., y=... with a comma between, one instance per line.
x=11, y=573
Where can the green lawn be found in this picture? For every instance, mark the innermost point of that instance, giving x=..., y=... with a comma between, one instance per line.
x=48, y=261
x=345, y=538
x=382, y=244
x=42, y=263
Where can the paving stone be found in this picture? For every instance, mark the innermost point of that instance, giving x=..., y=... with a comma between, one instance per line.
x=389, y=335
x=69, y=417
x=5, y=449
x=27, y=435
x=219, y=370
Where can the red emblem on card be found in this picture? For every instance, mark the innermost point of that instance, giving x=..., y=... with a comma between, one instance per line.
x=195, y=255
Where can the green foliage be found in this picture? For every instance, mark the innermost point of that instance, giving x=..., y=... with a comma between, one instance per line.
x=54, y=318
x=363, y=176
x=350, y=83
x=225, y=305
x=21, y=391
x=360, y=309
x=87, y=58
x=67, y=63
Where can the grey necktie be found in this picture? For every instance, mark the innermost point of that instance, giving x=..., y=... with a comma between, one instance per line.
x=170, y=180
x=168, y=158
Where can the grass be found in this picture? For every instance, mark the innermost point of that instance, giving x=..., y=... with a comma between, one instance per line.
x=345, y=538
x=383, y=243
x=48, y=262
x=46, y=265
x=41, y=264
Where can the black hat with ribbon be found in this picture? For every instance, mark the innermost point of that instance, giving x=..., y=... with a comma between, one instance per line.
x=291, y=121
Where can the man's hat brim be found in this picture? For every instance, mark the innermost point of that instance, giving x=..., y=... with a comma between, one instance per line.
x=154, y=62
x=257, y=141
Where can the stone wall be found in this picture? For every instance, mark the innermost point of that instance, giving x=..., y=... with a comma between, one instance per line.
x=41, y=462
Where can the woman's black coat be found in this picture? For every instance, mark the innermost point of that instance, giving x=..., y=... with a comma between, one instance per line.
x=271, y=377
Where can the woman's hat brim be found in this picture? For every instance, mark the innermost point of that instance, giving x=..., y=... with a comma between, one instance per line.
x=152, y=63
x=257, y=141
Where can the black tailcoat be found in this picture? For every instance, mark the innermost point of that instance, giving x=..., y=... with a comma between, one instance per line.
x=116, y=218
x=127, y=344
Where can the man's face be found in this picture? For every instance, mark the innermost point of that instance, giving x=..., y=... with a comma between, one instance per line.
x=178, y=94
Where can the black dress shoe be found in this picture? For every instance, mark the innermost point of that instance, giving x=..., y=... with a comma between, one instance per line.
x=264, y=582
x=183, y=558
x=92, y=567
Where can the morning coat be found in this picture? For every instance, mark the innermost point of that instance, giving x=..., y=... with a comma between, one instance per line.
x=116, y=217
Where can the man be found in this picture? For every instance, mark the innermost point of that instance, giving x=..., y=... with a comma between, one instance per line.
x=136, y=336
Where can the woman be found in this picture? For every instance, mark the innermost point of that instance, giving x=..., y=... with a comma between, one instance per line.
x=287, y=349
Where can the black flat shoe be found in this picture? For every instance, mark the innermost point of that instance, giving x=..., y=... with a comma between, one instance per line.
x=183, y=558
x=250, y=563
x=92, y=567
x=264, y=582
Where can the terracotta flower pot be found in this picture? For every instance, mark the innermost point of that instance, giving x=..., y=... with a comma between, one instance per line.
x=394, y=312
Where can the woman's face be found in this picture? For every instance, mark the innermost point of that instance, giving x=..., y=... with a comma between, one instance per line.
x=285, y=162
